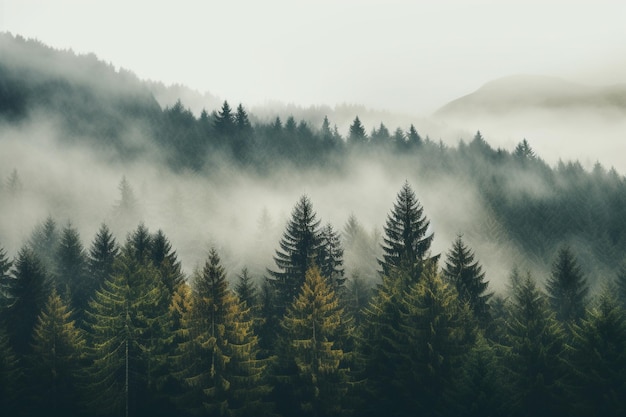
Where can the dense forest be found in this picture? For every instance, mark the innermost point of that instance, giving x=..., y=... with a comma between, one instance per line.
x=312, y=319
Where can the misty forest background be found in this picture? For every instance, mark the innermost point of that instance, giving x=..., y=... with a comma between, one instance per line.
x=157, y=261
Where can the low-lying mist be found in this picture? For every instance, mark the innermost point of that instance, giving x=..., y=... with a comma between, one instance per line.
x=241, y=214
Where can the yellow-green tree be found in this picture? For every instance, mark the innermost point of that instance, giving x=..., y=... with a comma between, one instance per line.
x=313, y=328
x=58, y=352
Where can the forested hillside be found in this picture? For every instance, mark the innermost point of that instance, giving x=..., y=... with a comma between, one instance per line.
x=152, y=262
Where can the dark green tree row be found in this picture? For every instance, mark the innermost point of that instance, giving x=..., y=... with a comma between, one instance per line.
x=144, y=340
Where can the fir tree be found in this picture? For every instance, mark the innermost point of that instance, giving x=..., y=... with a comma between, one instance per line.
x=299, y=248
x=5, y=283
x=598, y=359
x=58, y=350
x=44, y=242
x=536, y=344
x=312, y=328
x=621, y=284
x=101, y=258
x=330, y=257
x=128, y=329
x=246, y=290
x=357, y=134
x=406, y=243
x=225, y=120
x=10, y=376
x=567, y=287
x=71, y=272
x=166, y=261
x=469, y=279
x=29, y=292
x=414, y=140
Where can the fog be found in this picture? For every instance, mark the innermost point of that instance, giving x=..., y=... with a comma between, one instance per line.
x=242, y=215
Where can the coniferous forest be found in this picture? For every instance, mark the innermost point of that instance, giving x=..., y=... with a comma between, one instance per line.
x=338, y=321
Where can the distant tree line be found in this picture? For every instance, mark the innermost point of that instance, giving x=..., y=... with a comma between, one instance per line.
x=118, y=329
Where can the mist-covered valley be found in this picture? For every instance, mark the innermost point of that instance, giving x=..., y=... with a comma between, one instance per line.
x=457, y=258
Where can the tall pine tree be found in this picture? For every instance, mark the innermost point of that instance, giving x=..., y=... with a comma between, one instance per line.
x=467, y=276
x=567, y=287
x=406, y=242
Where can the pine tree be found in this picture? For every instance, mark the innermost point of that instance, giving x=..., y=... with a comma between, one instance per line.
x=299, y=248
x=536, y=344
x=166, y=261
x=312, y=328
x=225, y=121
x=29, y=291
x=567, y=287
x=357, y=297
x=101, y=258
x=330, y=257
x=621, y=284
x=128, y=330
x=246, y=290
x=413, y=138
x=469, y=279
x=223, y=371
x=44, y=242
x=598, y=359
x=357, y=134
x=10, y=376
x=406, y=243
x=139, y=244
x=5, y=283
x=71, y=271
x=58, y=350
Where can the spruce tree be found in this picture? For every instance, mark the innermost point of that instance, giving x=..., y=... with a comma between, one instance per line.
x=10, y=376
x=567, y=287
x=129, y=339
x=246, y=290
x=101, y=258
x=598, y=359
x=58, y=349
x=222, y=373
x=29, y=291
x=536, y=347
x=5, y=283
x=620, y=281
x=357, y=135
x=406, y=243
x=225, y=120
x=469, y=279
x=299, y=248
x=71, y=271
x=44, y=241
x=313, y=326
x=330, y=258
x=413, y=138
x=166, y=261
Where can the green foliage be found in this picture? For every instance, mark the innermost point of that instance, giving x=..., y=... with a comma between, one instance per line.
x=58, y=350
x=567, y=287
x=299, y=247
x=469, y=279
x=598, y=359
x=71, y=272
x=536, y=346
x=406, y=243
x=246, y=290
x=129, y=339
x=357, y=135
x=101, y=258
x=330, y=257
x=313, y=327
x=28, y=291
x=5, y=283
x=10, y=376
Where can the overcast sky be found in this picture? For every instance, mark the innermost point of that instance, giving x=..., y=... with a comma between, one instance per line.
x=411, y=56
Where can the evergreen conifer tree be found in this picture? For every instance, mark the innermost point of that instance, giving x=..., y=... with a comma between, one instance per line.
x=5, y=283
x=166, y=261
x=469, y=279
x=330, y=257
x=29, y=291
x=225, y=120
x=10, y=376
x=567, y=287
x=101, y=258
x=536, y=346
x=406, y=243
x=71, y=271
x=313, y=326
x=413, y=138
x=246, y=290
x=299, y=248
x=44, y=242
x=598, y=359
x=357, y=134
x=129, y=337
x=58, y=349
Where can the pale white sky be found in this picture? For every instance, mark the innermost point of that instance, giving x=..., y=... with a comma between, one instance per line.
x=411, y=56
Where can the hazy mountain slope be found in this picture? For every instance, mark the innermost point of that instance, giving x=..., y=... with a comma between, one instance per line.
x=524, y=92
